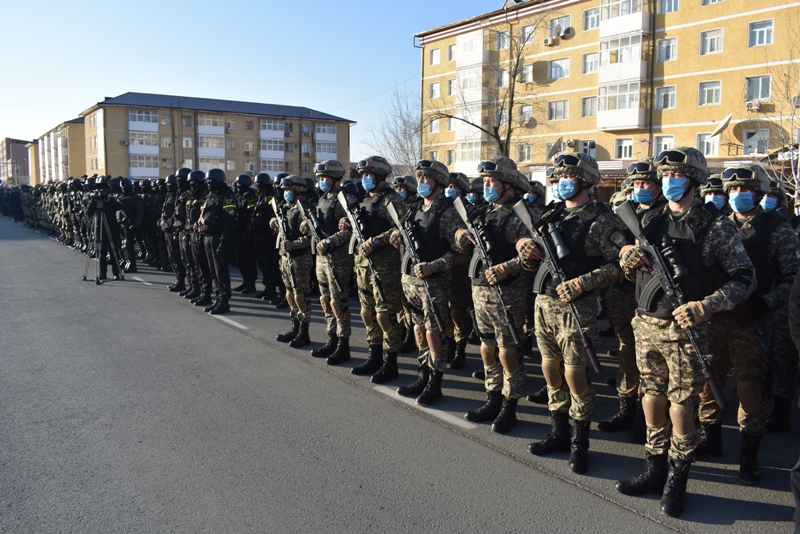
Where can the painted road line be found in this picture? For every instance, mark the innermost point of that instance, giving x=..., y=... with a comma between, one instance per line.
x=230, y=322
x=452, y=419
x=140, y=280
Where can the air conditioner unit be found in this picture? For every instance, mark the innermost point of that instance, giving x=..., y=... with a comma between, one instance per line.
x=549, y=41
x=306, y=153
x=306, y=134
x=287, y=133
x=753, y=105
x=124, y=142
x=567, y=32
x=248, y=152
x=796, y=101
x=570, y=142
x=227, y=130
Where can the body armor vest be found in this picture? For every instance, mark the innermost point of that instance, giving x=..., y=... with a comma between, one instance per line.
x=424, y=228
x=326, y=213
x=500, y=250
x=373, y=223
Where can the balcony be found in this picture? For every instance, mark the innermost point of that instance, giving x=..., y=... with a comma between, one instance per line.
x=621, y=119
x=632, y=23
x=627, y=70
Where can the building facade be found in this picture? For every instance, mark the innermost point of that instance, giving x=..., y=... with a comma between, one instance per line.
x=61, y=152
x=148, y=136
x=617, y=79
x=14, y=161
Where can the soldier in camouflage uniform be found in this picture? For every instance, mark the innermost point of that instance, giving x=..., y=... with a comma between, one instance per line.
x=720, y=275
x=733, y=335
x=296, y=260
x=594, y=239
x=334, y=264
x=503, y=370
x=431, y=228
x=714, y=193
x=379, y=314
x=406, y=187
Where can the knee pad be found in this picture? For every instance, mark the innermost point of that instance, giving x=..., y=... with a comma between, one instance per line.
x=552, y=368
x=338, y=308
x=682, y=417
x=325, y=304
x=488, y=352
x=419, y=336
x=386, y=321
x=577, y=375
x=366, y=317
x=655, y=409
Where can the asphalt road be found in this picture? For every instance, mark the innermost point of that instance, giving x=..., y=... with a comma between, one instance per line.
x=125, y=409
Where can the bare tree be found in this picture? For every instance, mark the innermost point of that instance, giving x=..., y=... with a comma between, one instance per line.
x=397, y=135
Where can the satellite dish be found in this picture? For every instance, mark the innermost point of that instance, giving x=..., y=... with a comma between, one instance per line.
x=722, y=126
x=555, y=149
x=557, y=31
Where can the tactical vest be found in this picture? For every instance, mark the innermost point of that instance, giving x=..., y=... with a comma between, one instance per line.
x=500, y=249
x=293, y=233
x=369, y=212
x=262, y=213
x=687, y=235
x=213, y=212
x=326, y=213
x=424, y=227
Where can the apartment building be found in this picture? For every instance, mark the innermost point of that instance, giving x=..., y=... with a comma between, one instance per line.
x=61, y=152
x=617, y=79
x=144, y=135
x=14, y=161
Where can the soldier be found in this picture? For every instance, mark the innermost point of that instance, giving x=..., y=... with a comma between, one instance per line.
x=246, y=198
x=377, y=266
x=406, y=187
x=428, y=255
x=498, y=320
x=109, y=232
x=296, y=260
x=714, y=193
x=264, y=238
x=183, y=199
x=734, y=335
x=593, y=240
x=217, y=225
x=197, y=184
x=334, y=265
x=475, y=195
x=719, y=276
x=167, y=226
x=132, y=208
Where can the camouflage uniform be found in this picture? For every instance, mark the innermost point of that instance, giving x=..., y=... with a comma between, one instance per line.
x=296, y=264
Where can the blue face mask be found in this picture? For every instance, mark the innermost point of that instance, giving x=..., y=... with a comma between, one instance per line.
x=323, y=186
x=368, y=183
x=472, y=198
x=288, y=196
x=451, y=193
x=423, y=190
x=717, y=200
x=529, y=198
x=490, y=193
x=567, y=188
x=554, y=191
x=402, y=193
x=741, y=201
x=642, y=195
x=674, y=187
x=769, y=203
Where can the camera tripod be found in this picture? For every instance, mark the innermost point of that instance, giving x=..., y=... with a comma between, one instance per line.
x=100, y=231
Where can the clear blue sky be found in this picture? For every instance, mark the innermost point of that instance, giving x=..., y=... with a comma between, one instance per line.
x=345, y=58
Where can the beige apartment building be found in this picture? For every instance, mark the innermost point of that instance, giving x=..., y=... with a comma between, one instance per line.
x=617, y=79
x=143, y=135
x=61, y=152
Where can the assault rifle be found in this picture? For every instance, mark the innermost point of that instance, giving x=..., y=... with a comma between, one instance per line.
x=308, y=215
x=666, y=269
x=358, y=235
x=283, y=230
x=484, y=246
x=553, y=250
x=413, y=248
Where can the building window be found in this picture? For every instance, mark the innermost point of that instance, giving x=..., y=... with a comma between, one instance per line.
x=710, y=42
x=451, y=52
x=186, y=120
x=188, y=163
x=588, y=147
x=288, y=147
x=304, y=129
x=591, y=62
x=667, y=50
x=142, y=161
x=249, y=125
x=756, y=141
x=558, y=68
x=187, y=142
x=433, y=155
x=433, y=91
x=621, y=50
x=523, y=152
x=143, y=139
x=451, y=124
x=166, y=142
x=526, y=34
x=502, y=78
x=210, y=141
x=230, y=144
x=589, y=106
x=663, y=142
x=502, y=40
x=759, y=33
x=93, y=142
x=451, y=157
x=288, y=129
x=206, y=164
x=288, y=166
x=621, y=96
x=325, y=128
x=620, y=8
x=709, y=93
x=526, y=76
x=139, y=115
x=758, y=87
x=665, y=97
x=272, y=165
x=305, y=148
x=250, y=167
x=327, y=148
x=230, y=124
x=707, y=145
x=249, y=146
x=434, y=128
x=468, y=151
x=166, y=163
x=275, y=145
x=306, y=167
x=275, y=125
x=557, y=110
x=559, y=24
x=623, y=148
x=434, y=56
x=525, y=114
x=451, y=86
x=709, y=2
x=667, y=6
x=166, y=120
x=230, y=165
x=591, y=19
x=207, y=119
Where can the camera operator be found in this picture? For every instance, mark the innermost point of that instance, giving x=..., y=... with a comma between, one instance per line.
x=102, y=204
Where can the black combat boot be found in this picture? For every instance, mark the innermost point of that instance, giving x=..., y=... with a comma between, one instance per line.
x=212, y=306
x=373, y=363
x=192, y=293
x=203, y=300
x=638, y=433
x=461, y=355
x=539, y=396
x=249, y=288
x=177, y=287
x=674, y=497
x=622, y=420
x=221, y=308
x=433, y=389
x=342, y=352
x=240, y=286
x=579, y=450
x=749, y=470
x=388, y=370
x=507, y=418
x=418, y=386
x=283, y=304
x=189, y=289
x=710, y=440
x=651, y=480
x=489, y=411
x=780, y=418
x=409, y=342
x=291, y=334
x=301, y=339
x=558, y=438
x=327, y=349
x=479, y=375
